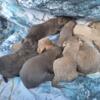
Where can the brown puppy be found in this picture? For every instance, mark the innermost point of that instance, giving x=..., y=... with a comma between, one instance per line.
x=88, y=59
x=66, y=32
x=65, y=68
x=10, y=65
x=39, y=69
x=52, y=26
x=44, y=44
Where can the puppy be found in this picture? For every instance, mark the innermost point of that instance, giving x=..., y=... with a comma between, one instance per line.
x=65, y=68
x=39, y=69
x=66, y=32
x=88, y=59
x=49, y=27
x=44, y=44
x=92, y=34
x=10, y=65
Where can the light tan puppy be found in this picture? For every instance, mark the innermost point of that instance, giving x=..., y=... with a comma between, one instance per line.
x=88, y=59
x=66, y=32
x=44, y=44
x=65, y=68
x=89, y=33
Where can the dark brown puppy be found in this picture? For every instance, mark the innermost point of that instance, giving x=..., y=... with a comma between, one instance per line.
x=10, y=65
x=66, y=32
x=39, y=69
x=49, y=27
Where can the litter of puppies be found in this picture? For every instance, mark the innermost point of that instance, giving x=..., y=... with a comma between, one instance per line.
x=37, y=59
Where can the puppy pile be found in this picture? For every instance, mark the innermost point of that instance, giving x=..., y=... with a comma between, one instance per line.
x=37, y=59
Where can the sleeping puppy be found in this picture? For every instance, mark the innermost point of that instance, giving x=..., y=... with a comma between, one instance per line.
x=65, y=68
x=44, y=44
x=88, y=59
x=11, y=64
x=66, y=32
x=39, y=69
x=90, y=33
x=49, y=27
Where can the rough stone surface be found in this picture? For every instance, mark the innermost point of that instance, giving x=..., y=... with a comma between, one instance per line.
x=89, y=9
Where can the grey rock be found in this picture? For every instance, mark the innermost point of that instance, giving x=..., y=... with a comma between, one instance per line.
x=88, y=9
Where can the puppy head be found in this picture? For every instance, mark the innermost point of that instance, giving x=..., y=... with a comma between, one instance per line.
x=63, y=20
x=44, y=44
